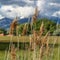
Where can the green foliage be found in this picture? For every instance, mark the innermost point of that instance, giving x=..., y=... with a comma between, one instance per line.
x=21, y=26
x=48, y=26
x=3, y=31
x=28, y=29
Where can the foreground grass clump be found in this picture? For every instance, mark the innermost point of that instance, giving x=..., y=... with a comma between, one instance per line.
x=26, y=53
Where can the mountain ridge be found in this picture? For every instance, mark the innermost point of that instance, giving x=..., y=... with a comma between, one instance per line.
x=5, y=22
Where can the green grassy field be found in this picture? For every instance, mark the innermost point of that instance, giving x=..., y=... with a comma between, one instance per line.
x=28, y=57
x=56, y=50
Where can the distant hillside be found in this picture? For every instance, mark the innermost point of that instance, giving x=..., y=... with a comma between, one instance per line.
x=5, y=22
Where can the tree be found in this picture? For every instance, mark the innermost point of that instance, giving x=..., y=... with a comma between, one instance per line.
x=48, y=26
x=3, y=31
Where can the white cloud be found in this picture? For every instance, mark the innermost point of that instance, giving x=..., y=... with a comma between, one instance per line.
x=25, y=11
x=55, y=4
x=1, y=17
x=28, y=1
x=21, y=17
x=40, y=4
x=56, y=14
x=6, y=7
x=45, y=8
x=11, y=12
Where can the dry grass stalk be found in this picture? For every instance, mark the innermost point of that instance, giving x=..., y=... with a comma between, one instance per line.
x=24, y=30
x=34, y=35
x=13, y=52
x=47, y=47
x=13, y=26
x=39, y=35
x=36, y=11
x=33, y=40
x=44, y=40
x=36, y=38
x=41, y=53
x=30, y=42
x=34, y=44
x=34, y=17
x=41, y=29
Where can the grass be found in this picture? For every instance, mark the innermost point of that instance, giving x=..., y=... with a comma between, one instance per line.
x=26, y=53
x=26, y=39
x=14, y=39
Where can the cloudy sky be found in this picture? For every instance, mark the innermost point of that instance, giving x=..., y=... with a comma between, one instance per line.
x=25, y=8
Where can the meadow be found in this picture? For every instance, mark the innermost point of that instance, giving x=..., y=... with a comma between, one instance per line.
x=55, y=53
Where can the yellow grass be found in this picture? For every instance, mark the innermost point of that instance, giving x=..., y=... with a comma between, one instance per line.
x=25, y=39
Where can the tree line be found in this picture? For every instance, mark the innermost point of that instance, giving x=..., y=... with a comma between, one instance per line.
x=49, y=25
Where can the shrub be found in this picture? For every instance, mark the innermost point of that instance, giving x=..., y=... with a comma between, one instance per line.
x=56, y=32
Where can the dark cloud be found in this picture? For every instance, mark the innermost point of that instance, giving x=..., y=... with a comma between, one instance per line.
x=16, y=2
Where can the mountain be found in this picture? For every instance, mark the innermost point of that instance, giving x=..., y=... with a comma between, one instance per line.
x=5, y=22
x=52, y=18
x=55, y=19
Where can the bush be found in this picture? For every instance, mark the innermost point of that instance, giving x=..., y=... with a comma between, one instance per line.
x=3, y=31
x=56, y=32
